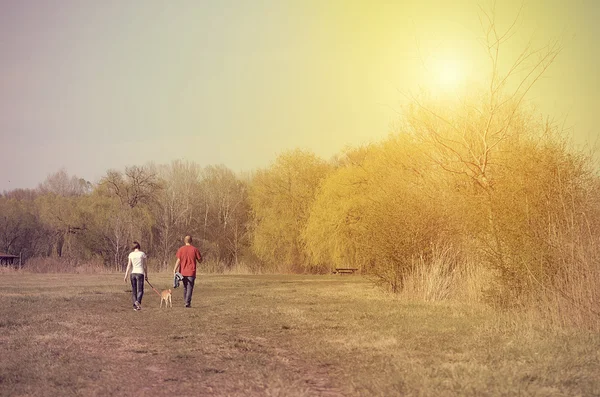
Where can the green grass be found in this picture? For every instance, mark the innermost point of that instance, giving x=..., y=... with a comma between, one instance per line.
x=273, y=336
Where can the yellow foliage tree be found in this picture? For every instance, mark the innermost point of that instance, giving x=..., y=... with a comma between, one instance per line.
x=281, y=197
x=379, y=211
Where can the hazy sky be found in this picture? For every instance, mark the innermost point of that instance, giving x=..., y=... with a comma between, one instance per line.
x=94, y=85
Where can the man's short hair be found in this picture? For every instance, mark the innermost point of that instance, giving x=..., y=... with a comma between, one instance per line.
x=187, y=239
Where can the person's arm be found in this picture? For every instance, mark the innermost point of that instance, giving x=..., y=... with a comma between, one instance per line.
x=127, y=270
x=198, y=256
x=145, y=265
x=177, y=265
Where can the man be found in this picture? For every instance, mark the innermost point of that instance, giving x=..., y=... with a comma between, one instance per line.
x=187, y=257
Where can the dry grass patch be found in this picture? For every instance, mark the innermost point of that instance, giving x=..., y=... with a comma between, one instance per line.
x=273, y=336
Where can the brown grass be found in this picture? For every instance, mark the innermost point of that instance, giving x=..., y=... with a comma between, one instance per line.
x=446, y=276
x=76, y=334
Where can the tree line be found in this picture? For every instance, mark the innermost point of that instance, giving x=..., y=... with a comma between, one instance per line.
x=66, y=216
x=523, y=203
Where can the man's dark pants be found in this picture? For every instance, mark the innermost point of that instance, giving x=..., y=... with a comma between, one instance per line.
x=188, y=289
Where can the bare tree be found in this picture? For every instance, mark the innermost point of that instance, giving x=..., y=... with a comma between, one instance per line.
x=465, y=140
x=138, y=185
x=174, y=209
x=61, y=184
x=532, y=193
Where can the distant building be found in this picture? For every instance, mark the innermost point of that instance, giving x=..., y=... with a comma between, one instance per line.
x=8, y=260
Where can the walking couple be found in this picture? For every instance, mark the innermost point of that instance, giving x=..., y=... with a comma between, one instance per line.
x=185, y=268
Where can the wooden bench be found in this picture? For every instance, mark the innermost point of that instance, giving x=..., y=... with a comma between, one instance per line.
x=344, y=270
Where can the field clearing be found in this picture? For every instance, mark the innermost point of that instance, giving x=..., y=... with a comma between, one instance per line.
x=281, y=335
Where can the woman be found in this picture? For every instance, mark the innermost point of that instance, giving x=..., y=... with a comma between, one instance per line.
x=139, y=271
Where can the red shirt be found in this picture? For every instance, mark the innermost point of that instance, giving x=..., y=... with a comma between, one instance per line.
x=188, y=255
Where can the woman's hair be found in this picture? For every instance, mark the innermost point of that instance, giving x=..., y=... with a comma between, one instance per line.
x=135, y=245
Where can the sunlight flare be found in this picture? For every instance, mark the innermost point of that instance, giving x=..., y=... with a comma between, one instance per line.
x=449, y=74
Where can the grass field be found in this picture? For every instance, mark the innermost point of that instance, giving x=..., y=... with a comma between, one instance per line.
x=63, y=335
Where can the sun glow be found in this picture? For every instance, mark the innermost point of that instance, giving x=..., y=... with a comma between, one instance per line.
x=449, y=74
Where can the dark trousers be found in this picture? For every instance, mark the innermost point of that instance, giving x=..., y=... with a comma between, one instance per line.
x=188, y=289
x=137, y=287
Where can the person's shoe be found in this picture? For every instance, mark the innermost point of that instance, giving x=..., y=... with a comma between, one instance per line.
x=188, y=306
x=137, y=305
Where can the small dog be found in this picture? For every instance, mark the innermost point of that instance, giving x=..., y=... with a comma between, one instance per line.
x=166, y=296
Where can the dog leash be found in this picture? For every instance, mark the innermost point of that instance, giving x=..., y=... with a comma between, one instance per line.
x=155, y=290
